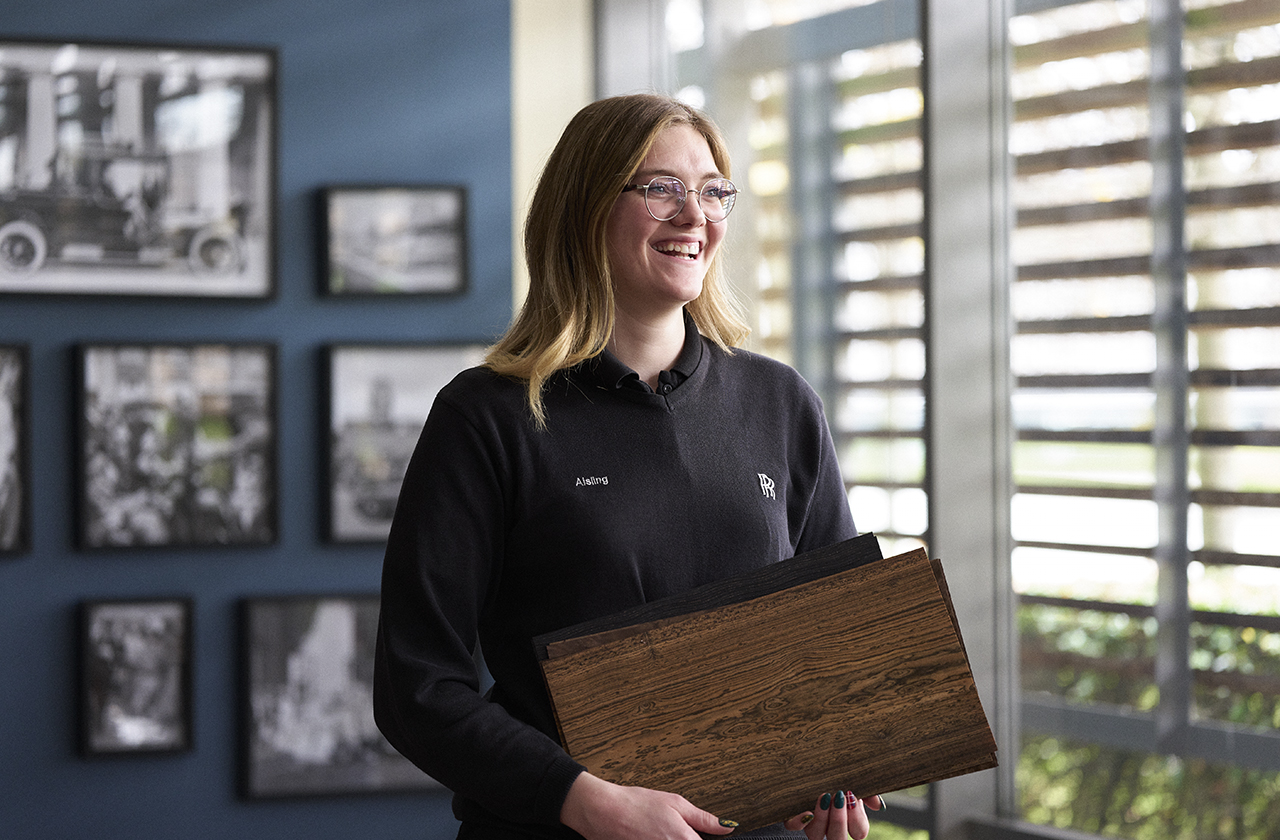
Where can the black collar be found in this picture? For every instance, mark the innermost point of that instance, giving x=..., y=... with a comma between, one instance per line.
x=610, y=372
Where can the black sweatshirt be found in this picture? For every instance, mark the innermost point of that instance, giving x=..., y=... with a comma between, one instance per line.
x=504, y=532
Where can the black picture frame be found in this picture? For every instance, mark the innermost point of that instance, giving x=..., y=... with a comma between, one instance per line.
x=393, y=240
x=138, y=169
x=307, y=705
x=176, y=444
x=15, y=449
x=376, y=399
x=135, y=675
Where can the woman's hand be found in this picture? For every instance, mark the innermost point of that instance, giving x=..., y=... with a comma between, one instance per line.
x=836, y=817
x=600, y=810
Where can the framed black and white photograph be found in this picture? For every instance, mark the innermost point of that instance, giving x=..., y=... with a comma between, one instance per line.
x=177, y=444
x=394, y=240
x=15, y=481
x=135, y=676
x=137, y=169
x=378, y=398
x=308, y=711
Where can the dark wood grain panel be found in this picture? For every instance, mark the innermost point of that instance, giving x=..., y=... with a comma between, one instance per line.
x=857, y=679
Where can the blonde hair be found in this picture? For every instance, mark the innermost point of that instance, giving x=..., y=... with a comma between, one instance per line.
x=568, y=314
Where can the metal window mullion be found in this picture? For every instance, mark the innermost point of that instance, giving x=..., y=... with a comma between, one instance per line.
x=631, y=46
x=968, y=331
x=811, y=93
x=1171, y=436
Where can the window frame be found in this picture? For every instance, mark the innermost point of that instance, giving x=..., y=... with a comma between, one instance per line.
x=969, y=430
x=1171, y=729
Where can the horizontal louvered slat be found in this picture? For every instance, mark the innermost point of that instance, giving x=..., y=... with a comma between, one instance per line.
x=884, y=283
x=902, y=77
x=1134, y=94
x=1210, y=318
x=1199, y=437
x=1262, y=622
x=881, y=234
x=1231, y=17
x=1130, y=36
x=878, y=434
x=881, y=385
x=879, y=133
x=892, y=182
x=882, y=334
x=1201, y=378
x=1209, y=259
x=1216, y=139
x=1245, y=195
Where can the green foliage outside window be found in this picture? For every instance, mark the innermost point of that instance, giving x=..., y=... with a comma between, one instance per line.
x=1090, y=657
x=1144, y=796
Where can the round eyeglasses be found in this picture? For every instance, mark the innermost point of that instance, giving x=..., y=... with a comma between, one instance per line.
x=664, y=197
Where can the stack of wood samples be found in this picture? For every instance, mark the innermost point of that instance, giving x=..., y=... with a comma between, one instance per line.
x=837, y=670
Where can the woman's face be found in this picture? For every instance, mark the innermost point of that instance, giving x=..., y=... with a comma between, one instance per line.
x=658, y=267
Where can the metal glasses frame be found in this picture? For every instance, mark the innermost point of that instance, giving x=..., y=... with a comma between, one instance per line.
x=733, y=197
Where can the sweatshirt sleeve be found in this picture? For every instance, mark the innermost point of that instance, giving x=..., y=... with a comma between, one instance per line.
x=443, y=556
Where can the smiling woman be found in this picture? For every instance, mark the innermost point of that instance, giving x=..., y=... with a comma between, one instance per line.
x=615, y=448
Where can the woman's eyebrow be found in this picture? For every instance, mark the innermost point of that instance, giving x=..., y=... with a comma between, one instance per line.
x=653, y=173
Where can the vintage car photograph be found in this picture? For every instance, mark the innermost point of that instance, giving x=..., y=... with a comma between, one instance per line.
x=134, y=170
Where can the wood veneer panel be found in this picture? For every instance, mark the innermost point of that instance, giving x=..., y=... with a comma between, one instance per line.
x=751, y=708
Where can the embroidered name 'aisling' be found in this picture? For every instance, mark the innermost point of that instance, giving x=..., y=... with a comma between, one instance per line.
x=592, y=481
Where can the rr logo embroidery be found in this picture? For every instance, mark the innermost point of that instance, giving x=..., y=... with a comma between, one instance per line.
x=767, y=486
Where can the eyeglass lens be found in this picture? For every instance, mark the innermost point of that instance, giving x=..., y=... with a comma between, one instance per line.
x=665, y=197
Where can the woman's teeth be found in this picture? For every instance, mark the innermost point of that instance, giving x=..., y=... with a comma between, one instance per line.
x=685, y=249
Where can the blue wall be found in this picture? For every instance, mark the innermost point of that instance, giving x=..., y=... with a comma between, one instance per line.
x=384, y=91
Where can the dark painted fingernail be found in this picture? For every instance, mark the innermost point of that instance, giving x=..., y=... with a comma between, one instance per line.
x=728, y=824
x=884, y=806
x=806, y=819
x=825, y=803
x=838, y=802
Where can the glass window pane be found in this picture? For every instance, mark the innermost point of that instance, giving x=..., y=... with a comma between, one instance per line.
x=1088, y=576
x=879, y=310
x=1084, y=353
x=1251, y=469
x=1238, y=348
x=1079, y=520
x=1082, y=297
x=1087, y=657
x=1093, y=397
x=1241, y=530
x=866, y=460
x=1064, y=408
x=1096, y=787
x=1083, y=464
x=865, y=409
